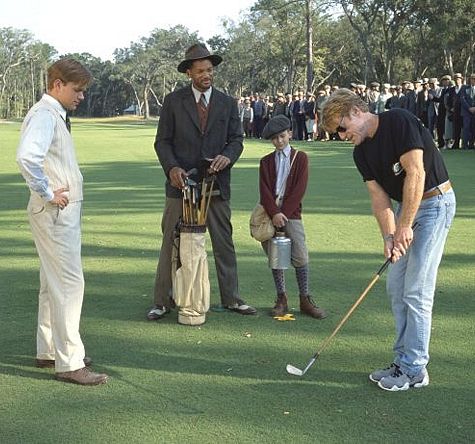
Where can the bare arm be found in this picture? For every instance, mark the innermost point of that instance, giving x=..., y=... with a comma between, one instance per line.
x=413, y=188
x=383, y=212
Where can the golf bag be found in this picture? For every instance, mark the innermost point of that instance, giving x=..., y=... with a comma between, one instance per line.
x=191, y=289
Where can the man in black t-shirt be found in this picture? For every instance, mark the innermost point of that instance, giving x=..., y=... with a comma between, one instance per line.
x=399, y=162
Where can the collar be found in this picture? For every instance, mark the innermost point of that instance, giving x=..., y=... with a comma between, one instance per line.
x=56, y=104
x=197, y=93
x=285, y=151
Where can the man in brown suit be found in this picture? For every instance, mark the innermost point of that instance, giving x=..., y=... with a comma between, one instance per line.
x=198, y=123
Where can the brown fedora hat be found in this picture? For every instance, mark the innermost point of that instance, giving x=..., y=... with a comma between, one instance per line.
x=199, y=51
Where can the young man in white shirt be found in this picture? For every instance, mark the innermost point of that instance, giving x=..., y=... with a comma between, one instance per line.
x=47, y=160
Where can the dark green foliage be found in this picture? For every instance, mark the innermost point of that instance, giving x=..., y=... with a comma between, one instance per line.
x=264, y=50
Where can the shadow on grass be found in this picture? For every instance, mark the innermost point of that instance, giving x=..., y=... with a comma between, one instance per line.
x=12, y=369
x=335, y=186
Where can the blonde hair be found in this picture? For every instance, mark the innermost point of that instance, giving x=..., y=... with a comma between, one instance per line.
x=69, y=70
x=339, y=104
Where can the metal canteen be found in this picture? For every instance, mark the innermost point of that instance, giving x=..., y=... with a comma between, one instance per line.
x=279, y=251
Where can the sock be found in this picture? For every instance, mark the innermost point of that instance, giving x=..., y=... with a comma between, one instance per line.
x=279, y=280
x=302, y=279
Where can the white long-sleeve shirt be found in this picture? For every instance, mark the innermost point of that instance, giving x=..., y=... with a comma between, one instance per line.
x=46, y=155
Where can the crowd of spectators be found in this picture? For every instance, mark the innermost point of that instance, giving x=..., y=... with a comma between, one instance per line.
x=446, y=106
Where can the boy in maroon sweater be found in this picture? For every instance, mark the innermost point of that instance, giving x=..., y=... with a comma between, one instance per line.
x=284, y=172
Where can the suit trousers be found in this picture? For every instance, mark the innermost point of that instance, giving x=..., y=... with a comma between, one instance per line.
x=220, y=231
x=457, y=126
x=57, y=236
x=468, y=132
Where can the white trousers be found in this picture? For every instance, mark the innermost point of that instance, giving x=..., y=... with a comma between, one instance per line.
x=57, y=236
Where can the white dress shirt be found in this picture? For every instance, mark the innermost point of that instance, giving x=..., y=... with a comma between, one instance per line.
x=282, y=168
x=197, y=94
x=46, y=155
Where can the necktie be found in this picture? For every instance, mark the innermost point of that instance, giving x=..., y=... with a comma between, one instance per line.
x=68, y=123
x=203, y=102
x=280, y=173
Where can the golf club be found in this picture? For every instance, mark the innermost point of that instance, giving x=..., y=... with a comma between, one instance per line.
x=209, y=197
x=298, y=372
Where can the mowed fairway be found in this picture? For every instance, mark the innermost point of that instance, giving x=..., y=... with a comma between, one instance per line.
x=226, y=381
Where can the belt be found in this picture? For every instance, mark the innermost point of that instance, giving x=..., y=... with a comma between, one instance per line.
x=439, y=189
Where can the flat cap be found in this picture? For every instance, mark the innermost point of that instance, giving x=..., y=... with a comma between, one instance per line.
x=275, y=126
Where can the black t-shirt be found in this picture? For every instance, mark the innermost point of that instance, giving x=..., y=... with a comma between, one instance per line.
x=399, y=131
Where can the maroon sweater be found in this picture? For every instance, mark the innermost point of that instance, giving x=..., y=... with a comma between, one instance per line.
x=294, y=190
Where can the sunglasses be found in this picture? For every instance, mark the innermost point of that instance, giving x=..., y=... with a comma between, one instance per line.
x=339, y=128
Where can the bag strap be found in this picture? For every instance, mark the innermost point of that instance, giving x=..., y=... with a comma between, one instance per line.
x=280, y=195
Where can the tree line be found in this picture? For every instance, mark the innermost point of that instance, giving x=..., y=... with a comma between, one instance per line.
x=276, y=46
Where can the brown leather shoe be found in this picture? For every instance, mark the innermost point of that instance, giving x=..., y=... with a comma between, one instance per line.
x=49, y=363
x=83, y=376
x=157, y=312
x=280, y=307
x=308, y=307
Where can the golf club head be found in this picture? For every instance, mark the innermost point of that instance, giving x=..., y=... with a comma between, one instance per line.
x=294, y=370
x=190, y=182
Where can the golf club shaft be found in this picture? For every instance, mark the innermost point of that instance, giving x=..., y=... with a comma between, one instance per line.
x=353, y=307
x=294, y=370
x=209, y=198
x=358, y=302
x=202, y=202
x=310, y=363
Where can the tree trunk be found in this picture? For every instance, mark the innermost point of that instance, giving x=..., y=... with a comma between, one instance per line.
x=146, y=110
x=104, y=102
x=308, y=19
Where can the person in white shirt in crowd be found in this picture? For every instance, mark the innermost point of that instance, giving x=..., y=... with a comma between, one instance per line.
x=384, y=96
x=247, y=117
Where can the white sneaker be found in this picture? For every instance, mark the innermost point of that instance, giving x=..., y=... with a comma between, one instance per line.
x=377, y=375
x=399, y=381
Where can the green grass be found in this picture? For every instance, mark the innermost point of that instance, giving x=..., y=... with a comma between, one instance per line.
x=225, y=381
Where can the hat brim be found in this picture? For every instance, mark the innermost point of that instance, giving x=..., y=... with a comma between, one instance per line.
x=186, y=64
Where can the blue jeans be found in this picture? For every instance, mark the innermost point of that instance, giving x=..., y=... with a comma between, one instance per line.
x=411, y=282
